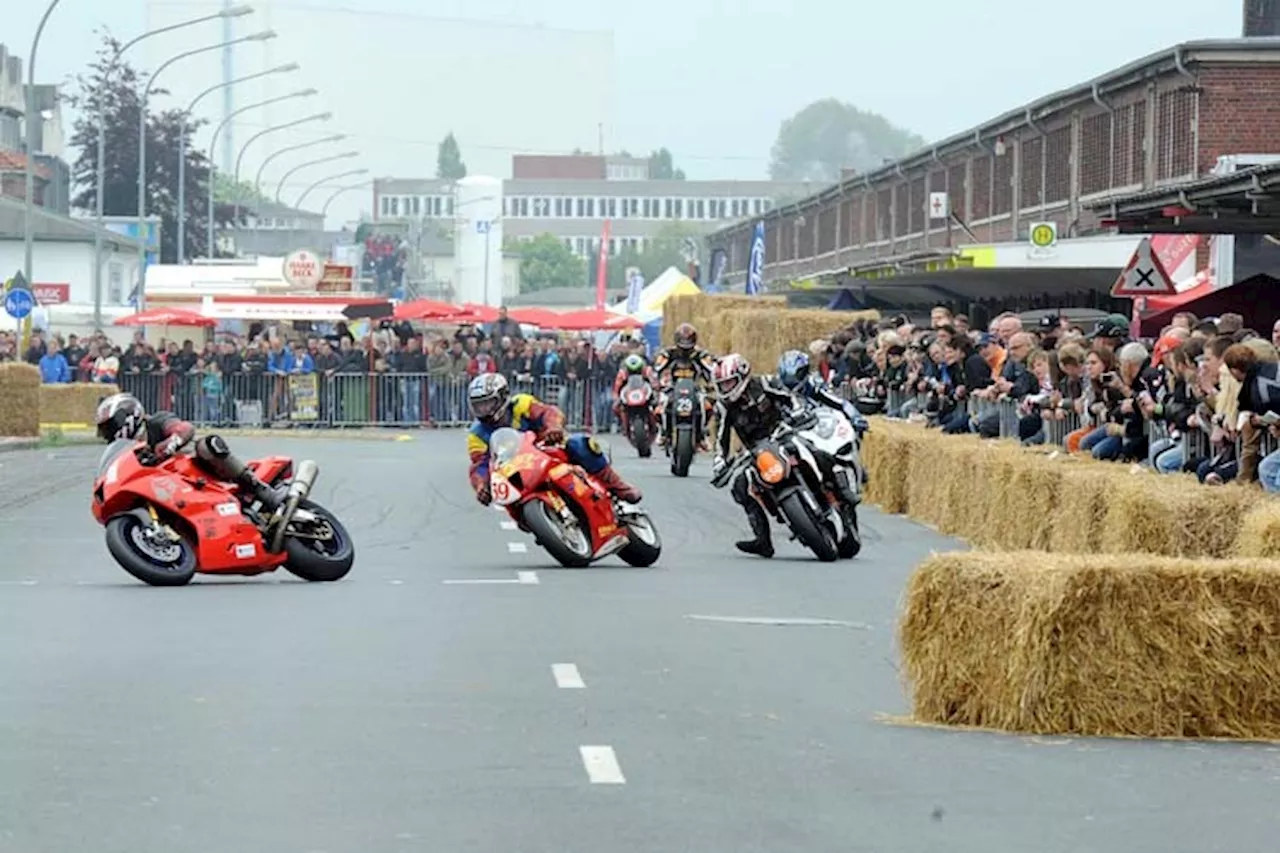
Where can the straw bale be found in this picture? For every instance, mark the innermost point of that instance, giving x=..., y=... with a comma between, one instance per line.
x=20, y=396
x=1260, y=532
x=1095, y=645
x=72, y=404
x=1169, y=515
x=886, y=454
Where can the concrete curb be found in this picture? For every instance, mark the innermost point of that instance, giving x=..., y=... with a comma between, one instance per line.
x=10, y=445
x=312, y=434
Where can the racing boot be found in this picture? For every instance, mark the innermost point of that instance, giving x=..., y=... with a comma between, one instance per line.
x=618, y=487
x=221, y=463
x=762, y=545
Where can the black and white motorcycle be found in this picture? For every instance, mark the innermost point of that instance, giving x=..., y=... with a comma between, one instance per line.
x=808, y=475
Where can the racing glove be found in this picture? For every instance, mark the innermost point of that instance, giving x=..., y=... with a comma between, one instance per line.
x=484, y=495
x=555, y=436
x=169, y=447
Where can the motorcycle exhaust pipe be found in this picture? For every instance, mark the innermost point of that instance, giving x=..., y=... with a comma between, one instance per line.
x=299, y=489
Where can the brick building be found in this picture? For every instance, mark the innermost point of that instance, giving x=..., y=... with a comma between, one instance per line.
x=1160, y=120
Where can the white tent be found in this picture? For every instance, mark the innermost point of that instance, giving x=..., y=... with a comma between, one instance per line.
x=656, y=292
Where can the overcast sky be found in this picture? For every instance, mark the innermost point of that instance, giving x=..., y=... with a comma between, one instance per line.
x=712, y=80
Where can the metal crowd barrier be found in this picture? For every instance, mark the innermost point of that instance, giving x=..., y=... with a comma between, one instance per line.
x=352, y=400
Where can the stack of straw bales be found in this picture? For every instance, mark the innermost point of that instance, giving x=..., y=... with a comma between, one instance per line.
x=71, y=405
x=19, y=400
x=1095, y=645
x=999, y=495
x=758, y=327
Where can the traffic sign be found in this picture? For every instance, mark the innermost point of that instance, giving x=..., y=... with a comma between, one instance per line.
x=938, y=208
x=1144, y=275
x=18, y=302
x=1044, y=234
x=303, y=269
x=483, y=226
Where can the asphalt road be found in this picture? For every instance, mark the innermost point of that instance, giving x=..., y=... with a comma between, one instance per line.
x=396, y=711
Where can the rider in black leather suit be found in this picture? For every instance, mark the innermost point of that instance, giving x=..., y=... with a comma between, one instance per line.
x=752, y=408
x=685, y=360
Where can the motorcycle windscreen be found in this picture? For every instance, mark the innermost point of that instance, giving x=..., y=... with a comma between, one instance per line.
x=113, y=452
x=636, y=391
x=504, y=444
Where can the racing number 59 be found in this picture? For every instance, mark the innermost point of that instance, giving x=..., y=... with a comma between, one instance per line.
x=501, y=490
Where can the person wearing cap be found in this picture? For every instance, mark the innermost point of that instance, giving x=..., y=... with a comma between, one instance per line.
x=1112, y=331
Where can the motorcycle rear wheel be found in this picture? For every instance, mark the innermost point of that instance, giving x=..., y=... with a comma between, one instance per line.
x=813, y=534
x=123, y=541
x=551, y=535
x=317, y=565
x=645, y=545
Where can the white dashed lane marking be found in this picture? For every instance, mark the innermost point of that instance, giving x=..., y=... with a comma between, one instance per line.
x=517, y=548
x=527, y=577
x=567, y=676
x=509, y=525
x=524, y=578
x=602, y=765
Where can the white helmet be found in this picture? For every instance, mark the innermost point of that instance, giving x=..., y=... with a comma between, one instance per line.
x=121, y=416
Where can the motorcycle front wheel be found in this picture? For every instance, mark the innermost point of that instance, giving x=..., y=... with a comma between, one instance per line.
x=640, y=435
x=326, y=553
x=569, y=545
x=851, y=544
x=682, y=456
x=140, y=553
x=812, y=534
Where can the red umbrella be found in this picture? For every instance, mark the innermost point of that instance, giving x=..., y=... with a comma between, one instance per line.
x=535, y=317
x=484, y=312
x=593, y=319
x=424, y=309
x=167, y=317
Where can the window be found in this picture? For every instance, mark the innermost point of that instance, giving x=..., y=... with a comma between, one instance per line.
x=395, y=203
x=568, y=243
x=613, y=246
x=542, y=207
x=582, y=207
x=635, y=206
x=559, y=207
x=506, y=207
x=417, y=205
x=701, y=211
x=759, y=206
x=591, y=208
x=384, y=206
x=613, y=207
x=581, y=244
x=666, y=208
x=449, y=205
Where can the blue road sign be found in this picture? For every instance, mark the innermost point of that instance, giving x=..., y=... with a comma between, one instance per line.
x=18, y=303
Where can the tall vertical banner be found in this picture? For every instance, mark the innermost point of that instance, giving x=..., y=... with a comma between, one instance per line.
x=719, y=263
x=602, y=269
x=635, y=285
x=755, y=267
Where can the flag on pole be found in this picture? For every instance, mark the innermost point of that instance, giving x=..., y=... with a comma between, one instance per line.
x=635, y=284
x=602, y=268
x=755, y=268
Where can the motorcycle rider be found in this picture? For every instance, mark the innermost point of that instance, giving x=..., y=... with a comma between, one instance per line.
x=494, y=407
x=122, y=416
x=685, y=360
x=795, y=376
x=752, y=408
x=633, y=365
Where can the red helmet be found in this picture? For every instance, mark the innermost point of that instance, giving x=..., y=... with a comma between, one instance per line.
x=730, y=376
x=686, y=336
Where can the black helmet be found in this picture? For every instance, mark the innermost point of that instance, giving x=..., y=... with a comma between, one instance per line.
x=686, y=336
x=121, y=416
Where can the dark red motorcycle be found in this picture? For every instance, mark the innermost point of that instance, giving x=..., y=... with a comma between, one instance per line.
x=639, y=423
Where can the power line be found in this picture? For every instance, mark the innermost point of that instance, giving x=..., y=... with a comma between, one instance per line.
x=478, y=23
x=523, y=149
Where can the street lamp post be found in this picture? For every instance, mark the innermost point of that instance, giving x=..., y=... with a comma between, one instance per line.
x=273, y=129
x=142, y=149
x=324, y=211
x=318, y=183
x=213, y=145
x=309, y=163
x=233, y=12
x=279, y=152
x=29, y=226
x=182, y=148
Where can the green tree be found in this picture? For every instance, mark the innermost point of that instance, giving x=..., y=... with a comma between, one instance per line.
x=227, y=191
x=449, y=163
x=546, y=262
x=117, y=92
x=666, y=249
x=662, y=166
x=828, y=135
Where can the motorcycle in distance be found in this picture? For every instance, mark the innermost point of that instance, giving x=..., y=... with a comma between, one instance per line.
x=166, y=521
x=567, y=510
x=685, y=400
x=637, y=414
x=789, y=481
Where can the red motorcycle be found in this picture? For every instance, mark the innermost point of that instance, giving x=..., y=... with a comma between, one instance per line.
x=567, y=510
x=639, y=424
x=166, y=520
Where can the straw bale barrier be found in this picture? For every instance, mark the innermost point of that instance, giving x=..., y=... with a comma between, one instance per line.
x=72, y=404
x=19, y=400
x=999, y=495
x=1094, y=645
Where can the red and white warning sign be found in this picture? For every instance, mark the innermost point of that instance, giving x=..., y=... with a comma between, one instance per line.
x=1144, y=275
x=303, y=269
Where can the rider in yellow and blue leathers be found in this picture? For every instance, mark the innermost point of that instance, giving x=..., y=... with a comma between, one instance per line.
x=495, y=407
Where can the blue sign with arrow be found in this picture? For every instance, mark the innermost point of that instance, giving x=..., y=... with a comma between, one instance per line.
x=18, y=303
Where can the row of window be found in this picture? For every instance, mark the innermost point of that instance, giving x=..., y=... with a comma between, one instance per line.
x=277, y=223
x=585, y=207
